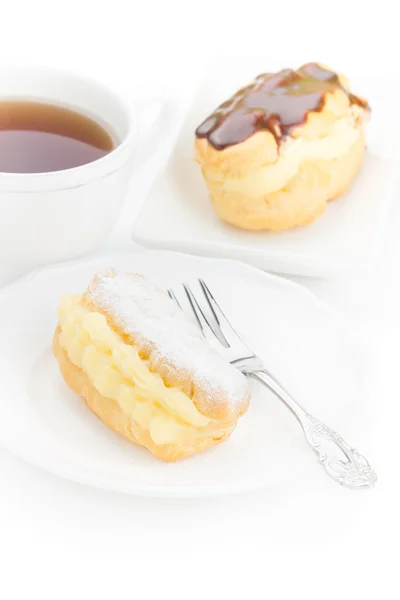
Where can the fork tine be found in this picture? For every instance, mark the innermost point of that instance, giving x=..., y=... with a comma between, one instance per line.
x=205, y=326
x=171, y=294
x=226, y=328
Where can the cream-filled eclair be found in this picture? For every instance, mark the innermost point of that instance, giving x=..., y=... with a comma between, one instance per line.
x=145, y=369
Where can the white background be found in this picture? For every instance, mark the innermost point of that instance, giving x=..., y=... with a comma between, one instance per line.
x=308, y=538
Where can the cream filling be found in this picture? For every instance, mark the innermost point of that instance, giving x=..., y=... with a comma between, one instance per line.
x=116, y=370
x=271, y=178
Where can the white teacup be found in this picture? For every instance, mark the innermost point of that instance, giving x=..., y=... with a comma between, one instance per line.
x=61, y=215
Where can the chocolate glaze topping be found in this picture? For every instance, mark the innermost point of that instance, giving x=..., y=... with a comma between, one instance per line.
x=276, y=102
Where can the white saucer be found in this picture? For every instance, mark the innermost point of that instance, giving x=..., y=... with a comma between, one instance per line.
x=178, y=214
x=304, y=342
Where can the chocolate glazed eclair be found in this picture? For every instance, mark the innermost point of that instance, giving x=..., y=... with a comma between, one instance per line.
x=276, y=152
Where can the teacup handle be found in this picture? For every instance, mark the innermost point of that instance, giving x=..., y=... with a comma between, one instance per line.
x=152, y=137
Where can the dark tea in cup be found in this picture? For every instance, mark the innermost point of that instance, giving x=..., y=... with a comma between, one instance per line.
x=39, y=138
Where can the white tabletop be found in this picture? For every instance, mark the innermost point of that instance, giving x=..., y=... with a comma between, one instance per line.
x=308, y=537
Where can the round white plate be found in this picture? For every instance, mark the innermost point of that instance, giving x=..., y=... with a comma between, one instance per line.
x=303, y=342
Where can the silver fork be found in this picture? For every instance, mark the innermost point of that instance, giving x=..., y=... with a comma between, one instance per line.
x=342, y=462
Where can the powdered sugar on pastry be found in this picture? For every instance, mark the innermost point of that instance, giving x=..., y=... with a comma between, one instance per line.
x=144, y=315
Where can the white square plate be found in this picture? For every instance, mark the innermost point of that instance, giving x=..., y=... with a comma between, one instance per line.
x=178, y=214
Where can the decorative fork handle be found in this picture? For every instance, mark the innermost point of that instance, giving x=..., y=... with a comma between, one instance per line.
x=342, y=462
